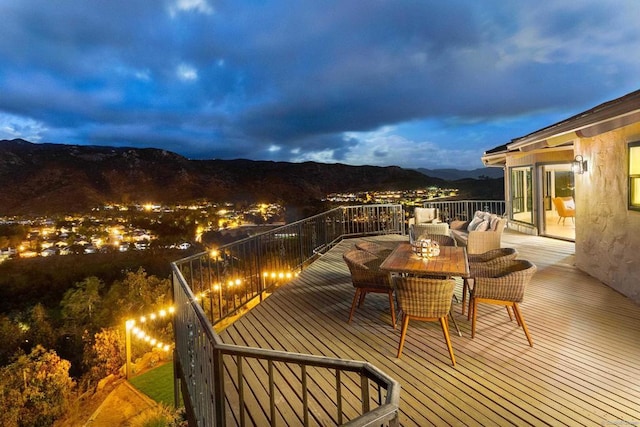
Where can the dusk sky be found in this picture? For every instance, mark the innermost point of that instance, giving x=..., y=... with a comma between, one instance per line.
x=429, y=84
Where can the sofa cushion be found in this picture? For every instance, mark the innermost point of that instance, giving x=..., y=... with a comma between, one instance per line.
x=460, y=236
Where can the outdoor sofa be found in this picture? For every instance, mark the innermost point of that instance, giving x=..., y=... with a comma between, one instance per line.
x=483, y=233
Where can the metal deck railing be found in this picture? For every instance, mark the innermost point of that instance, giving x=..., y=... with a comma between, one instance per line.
x=212, y=288
x=464, y=209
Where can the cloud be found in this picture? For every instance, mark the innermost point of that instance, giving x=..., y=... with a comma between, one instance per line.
x=12, y=126
x=187, y=73
x=421, y=84
x=200, y=6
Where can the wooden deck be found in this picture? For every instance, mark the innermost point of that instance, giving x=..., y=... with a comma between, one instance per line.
x=584, y=368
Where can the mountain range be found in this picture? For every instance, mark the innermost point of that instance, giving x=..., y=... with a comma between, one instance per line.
x=47, y=178
x=456, y=174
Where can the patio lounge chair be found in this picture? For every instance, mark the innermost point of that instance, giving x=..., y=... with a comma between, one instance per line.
x=367, y=277
x=425, y=299
x=425, y=216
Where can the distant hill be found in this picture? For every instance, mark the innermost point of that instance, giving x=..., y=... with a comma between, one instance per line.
x=58, y=178
x=455, y=174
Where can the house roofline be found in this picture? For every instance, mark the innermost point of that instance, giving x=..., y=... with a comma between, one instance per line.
x=602, y=118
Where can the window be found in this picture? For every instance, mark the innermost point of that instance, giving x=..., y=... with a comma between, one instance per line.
x=634, y=175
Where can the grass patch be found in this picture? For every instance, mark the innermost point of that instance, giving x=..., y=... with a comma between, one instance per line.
x=157, y=383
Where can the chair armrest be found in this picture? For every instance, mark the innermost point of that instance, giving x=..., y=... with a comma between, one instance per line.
x=482, y=241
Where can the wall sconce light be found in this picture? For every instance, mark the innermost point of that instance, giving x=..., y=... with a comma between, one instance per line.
x=579, y=165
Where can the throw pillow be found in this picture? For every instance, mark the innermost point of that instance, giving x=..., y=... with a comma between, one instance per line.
x=494, y=222
x=483, y=226
x=569, y=204
x=474, y=223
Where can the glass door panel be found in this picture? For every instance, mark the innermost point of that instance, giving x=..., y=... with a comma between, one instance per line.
x=521, y=195
x=558, y=181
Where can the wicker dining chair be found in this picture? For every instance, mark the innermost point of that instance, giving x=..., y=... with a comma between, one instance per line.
x=491, y=260
x=503, y=285
x=367, y=277
x=425, y=299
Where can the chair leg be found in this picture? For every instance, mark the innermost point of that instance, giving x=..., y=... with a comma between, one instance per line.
x=356, y=297
x=453, y=319
x=393, y=309
x=509, y=313
x=465, y=286
x=362, y=295
x=447, y=338
x=403, y=333
x=473, y=311
x=516, y=310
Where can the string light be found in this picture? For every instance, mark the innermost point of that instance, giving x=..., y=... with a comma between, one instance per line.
x=236, y=283
x=142, y=335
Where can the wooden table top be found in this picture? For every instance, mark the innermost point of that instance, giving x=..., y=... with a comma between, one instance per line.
x=452, y=261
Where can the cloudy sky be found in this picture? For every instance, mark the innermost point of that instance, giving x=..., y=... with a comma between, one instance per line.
x=414, y=83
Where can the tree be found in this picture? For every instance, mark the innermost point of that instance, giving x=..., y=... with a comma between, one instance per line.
x=40, y=331
x=10, y=338
x=138, y=294
x=80, y=305
x=35, y=389
x=105, y=354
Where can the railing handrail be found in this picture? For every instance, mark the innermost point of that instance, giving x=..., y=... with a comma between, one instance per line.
x=258, y=235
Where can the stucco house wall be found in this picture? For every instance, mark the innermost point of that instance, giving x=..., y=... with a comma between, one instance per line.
x=607, y=232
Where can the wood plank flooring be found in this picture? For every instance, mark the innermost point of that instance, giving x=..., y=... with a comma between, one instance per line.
x=584, y=368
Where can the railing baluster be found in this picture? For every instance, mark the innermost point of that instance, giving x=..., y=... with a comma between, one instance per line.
x=218, y=387
x=305, y=397
x=240, y=389
x=272, y=394
x=339, y=396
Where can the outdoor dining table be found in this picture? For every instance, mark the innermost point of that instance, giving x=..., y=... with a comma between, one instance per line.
x=452, y=261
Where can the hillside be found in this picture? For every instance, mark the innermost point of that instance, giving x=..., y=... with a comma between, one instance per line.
x=52, y=178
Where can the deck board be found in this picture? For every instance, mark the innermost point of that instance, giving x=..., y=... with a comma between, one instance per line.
x=583, y=369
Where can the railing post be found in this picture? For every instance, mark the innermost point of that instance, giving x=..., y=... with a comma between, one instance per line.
x=364, y=392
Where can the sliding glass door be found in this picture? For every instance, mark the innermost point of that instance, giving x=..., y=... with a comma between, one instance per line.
x=558, y=182
x=521, y=194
